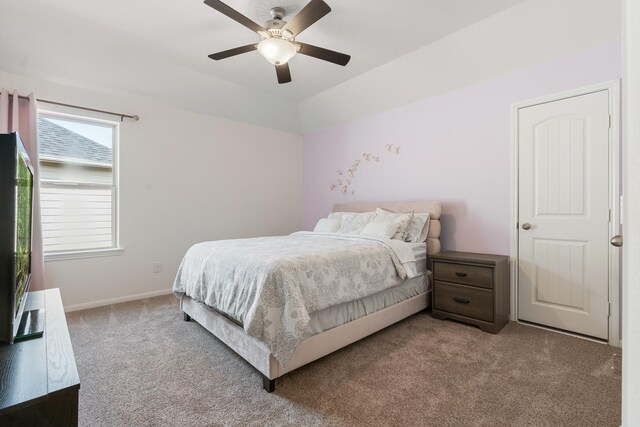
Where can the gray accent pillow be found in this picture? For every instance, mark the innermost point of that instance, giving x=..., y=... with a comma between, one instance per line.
x=418, y=228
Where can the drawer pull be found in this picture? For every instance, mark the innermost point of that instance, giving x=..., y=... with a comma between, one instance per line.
x=461, y=300
x=460, y=274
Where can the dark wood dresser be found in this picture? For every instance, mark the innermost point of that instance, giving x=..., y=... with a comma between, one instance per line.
x=39, y=380
x=471, y=288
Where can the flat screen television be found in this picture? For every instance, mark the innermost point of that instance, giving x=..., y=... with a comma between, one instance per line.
x=16, y=204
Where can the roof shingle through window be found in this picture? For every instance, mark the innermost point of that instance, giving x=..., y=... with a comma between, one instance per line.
x=57, y=141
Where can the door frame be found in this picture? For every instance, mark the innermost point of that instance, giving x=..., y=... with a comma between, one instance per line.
x=613, y=86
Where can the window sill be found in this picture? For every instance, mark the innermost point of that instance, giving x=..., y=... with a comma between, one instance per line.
x=61, y=256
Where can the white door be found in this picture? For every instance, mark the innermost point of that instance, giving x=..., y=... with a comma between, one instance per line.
x=564, y=214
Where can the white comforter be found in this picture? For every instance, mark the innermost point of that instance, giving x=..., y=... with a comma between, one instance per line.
x=271, y=284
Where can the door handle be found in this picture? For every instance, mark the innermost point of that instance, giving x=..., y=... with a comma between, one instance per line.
x=616, y=241
x=526, y=226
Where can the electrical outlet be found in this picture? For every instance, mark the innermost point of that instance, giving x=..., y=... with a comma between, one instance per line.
x=157, y=267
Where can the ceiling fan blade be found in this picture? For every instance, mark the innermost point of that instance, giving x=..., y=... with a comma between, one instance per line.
x=324, y=54
x=232, y=52
x=312, y=12
x=234, y=14
x=284, y=75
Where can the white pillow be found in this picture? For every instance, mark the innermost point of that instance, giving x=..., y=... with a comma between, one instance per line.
x=418, y=228
x=326, y=225
x=380, y=229
x=353, y=223
x=337, y=215
x=402, y=219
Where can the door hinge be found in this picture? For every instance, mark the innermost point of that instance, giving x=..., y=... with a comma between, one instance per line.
x=609, y=313
x=609, y=216
x=609, y=121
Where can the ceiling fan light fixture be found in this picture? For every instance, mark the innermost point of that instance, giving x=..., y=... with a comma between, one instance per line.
x=277, y=51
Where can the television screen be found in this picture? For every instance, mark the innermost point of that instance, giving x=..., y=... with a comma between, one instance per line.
x=24, y=184
x=16, y=189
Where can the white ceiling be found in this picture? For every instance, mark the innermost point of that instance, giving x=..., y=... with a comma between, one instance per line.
x=127, y=44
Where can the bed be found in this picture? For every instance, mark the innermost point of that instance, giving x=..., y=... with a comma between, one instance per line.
x=312, y=321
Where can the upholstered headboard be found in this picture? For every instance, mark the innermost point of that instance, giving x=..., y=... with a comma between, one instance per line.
x=433, y=208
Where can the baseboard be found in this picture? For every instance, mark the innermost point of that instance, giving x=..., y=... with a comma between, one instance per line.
x=109, y=301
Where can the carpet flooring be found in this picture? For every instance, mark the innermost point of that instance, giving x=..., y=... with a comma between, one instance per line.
x=140, y=364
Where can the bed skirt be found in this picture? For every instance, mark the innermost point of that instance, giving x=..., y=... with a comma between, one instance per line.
x=307, y=350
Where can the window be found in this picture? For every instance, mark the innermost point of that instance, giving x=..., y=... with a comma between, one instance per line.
x=78, y=184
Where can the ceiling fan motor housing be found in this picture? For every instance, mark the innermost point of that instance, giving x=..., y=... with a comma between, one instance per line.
x=276, y=22
x=277, y=13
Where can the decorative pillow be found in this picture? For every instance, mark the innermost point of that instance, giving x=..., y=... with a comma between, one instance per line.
x=353, y=223
x=380, y=229
x=326, y=225
x=337, y=215
x=402, y=219
x=418, y=228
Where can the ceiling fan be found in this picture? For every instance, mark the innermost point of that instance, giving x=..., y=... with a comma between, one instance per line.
x=278, y=42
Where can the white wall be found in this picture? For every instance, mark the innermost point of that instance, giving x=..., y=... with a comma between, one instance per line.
x=184, y=178
x=530, y=33
x=631, y=264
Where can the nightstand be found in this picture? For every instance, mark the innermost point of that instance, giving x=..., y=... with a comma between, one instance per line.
x=471, y=288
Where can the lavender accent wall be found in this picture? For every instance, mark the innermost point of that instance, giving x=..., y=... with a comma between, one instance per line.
x=455, y=148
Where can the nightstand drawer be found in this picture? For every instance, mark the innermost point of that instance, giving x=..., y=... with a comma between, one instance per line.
x=463, y=273
x=464, y=300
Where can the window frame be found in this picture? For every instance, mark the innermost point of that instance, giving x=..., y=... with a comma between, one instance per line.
x=115, y=248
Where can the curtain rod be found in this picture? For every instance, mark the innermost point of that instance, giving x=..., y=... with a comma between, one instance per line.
x=121, y=115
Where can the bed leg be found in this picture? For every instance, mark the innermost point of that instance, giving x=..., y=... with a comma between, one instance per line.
x=268, y=385
x=186, y=317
